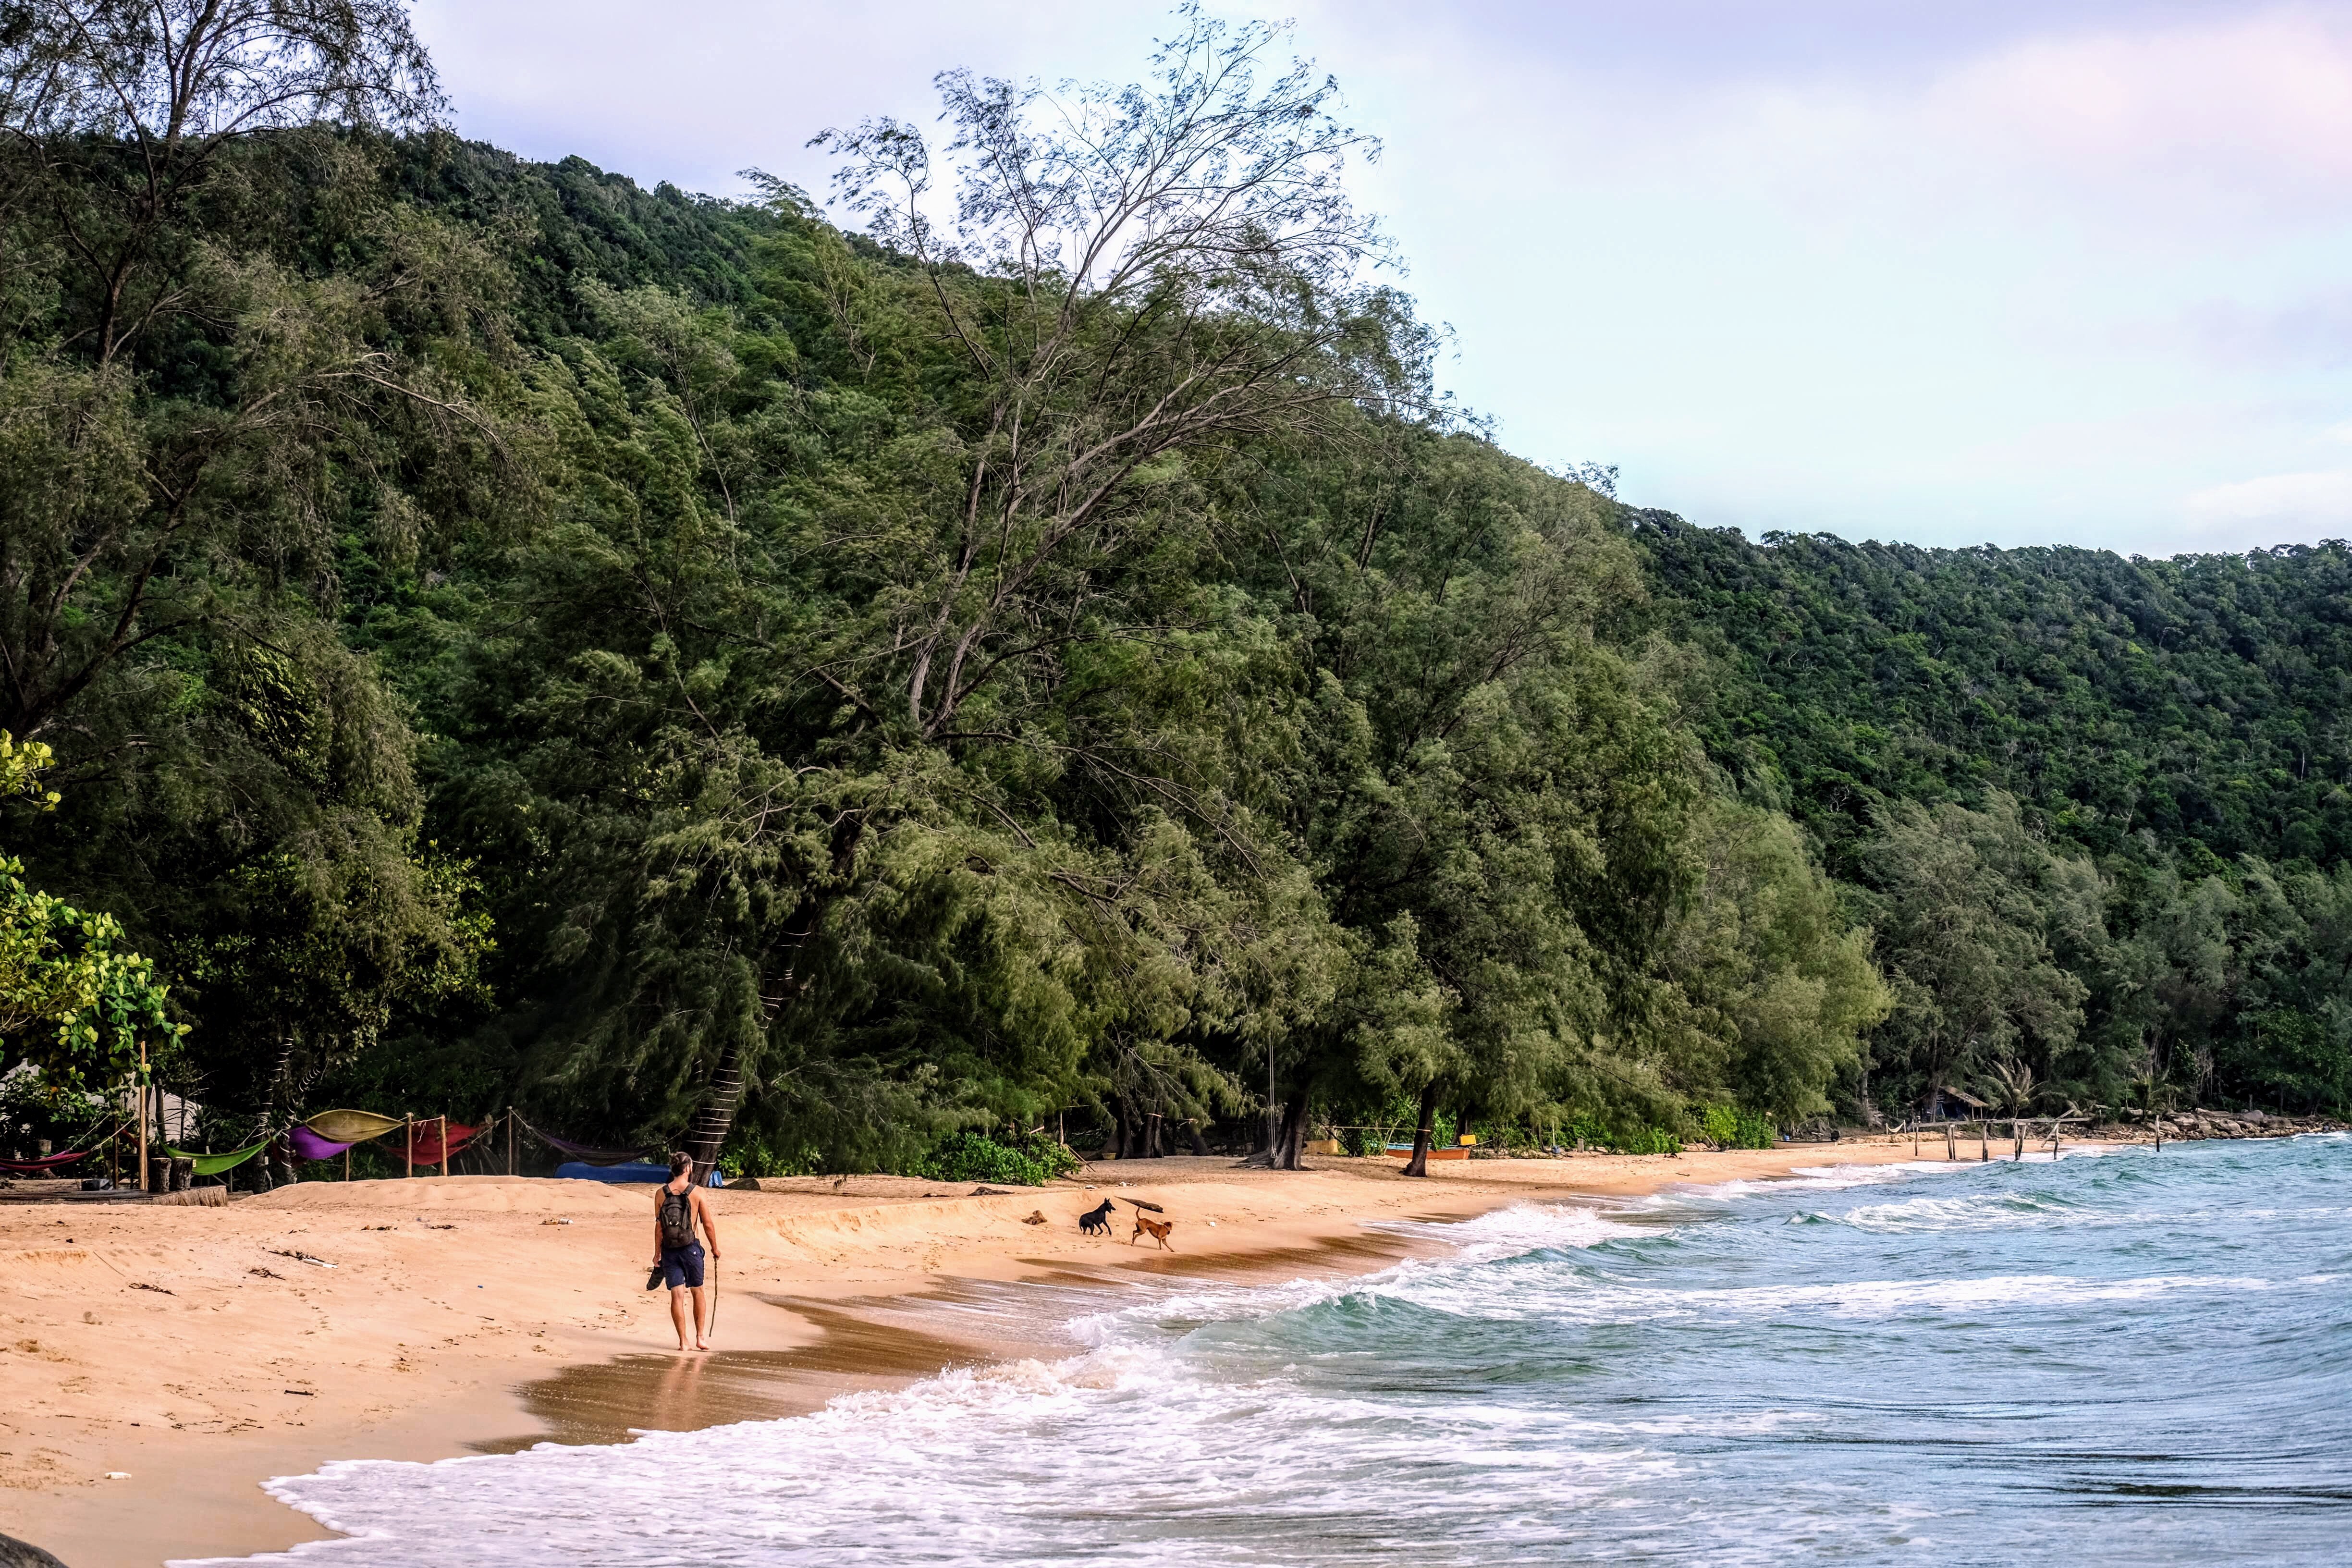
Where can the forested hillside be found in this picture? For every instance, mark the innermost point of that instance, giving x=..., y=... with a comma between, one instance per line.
x=804, y=685
x=2155, y=749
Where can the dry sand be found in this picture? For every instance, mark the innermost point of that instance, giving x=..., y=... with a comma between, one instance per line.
x=192, y=1350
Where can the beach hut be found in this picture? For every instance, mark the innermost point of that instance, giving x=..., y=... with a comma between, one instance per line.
x=1945, y=1103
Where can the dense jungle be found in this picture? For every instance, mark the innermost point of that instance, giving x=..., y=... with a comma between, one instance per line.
x=1021, y=647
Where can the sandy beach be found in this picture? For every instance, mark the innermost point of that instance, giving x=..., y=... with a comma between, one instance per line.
x=157, y=1365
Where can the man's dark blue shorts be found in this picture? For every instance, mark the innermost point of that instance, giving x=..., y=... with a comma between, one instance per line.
x=683, y=1265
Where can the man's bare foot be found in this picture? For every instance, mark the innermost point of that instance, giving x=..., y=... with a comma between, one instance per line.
x=702, y=1345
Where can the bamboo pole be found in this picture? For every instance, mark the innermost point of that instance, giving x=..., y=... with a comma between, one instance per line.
x=142, y=1116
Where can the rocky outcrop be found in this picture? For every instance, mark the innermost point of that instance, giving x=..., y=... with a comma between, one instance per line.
x=16, y=1553
x=2196, y=1126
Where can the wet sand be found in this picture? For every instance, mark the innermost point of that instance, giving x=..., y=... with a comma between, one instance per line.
x=191, y=1350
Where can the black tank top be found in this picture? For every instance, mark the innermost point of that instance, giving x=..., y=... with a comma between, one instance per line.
x=677, y=1218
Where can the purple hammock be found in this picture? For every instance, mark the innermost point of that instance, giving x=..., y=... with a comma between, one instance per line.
x=311, y=1146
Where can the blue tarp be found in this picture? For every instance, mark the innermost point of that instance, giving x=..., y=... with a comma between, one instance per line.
x=579, y=1171
x=645, y=1174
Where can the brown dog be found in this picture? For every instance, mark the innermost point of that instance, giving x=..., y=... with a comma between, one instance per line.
x=1157, y=1229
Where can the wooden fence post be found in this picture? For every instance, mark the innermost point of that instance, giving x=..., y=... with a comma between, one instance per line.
x=142, y=1116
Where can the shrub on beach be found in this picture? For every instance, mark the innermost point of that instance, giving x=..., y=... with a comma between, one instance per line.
x=1733, y=1127
x=976, y=1157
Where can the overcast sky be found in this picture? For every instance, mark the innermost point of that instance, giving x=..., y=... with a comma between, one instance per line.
x=2069, y=271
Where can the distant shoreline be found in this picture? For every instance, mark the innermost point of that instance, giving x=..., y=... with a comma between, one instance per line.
x=507, y=1329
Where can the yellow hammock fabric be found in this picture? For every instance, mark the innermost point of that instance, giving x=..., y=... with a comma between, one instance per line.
x=351, y=1126
x=214, y=1164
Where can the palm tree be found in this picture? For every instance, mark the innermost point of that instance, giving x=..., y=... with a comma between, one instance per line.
x=2011, y=1086
x=2153, y=1094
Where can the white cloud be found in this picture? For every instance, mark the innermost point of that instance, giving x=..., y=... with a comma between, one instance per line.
x=2292, y=500
x=2263, y=102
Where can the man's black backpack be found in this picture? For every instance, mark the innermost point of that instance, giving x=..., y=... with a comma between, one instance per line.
x=677, y=1219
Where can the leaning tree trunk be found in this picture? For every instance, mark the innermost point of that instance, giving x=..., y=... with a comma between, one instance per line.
x=1192, y=1130
x=712, y=1125
x=1422, y=1132
x=716, y=1118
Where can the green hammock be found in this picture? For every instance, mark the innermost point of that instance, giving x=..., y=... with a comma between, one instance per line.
x=214, y=1164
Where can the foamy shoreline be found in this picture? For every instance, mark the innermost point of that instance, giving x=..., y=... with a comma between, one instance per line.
x=186, y=1347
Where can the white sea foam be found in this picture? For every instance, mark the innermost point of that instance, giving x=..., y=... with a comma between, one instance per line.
x=1978, y=1211
x=1529, y=1227
x=1121, y=1454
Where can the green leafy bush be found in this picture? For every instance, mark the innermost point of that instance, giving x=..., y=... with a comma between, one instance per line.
x=1592, y=1132
x=1645, y=1141
x=976, y=1157
x=748, y=1154
x=1735, y=1127
x=33, y=1108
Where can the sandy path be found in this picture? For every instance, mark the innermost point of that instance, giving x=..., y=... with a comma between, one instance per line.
x=186, y=1348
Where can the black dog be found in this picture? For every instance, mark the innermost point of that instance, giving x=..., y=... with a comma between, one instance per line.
x=1095, y=1220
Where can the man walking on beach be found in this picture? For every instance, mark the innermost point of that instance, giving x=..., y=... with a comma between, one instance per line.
x=677, y=1208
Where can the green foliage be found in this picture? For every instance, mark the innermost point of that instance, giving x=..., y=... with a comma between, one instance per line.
x=1645, y=1141
x=1619, y=1136
x=74, y=1002
x=976, y=1157
x=749, y=1154
x=518, y=637
x=20, y=769
x=33, y=1107
x=1776, y=990
x=2119, y=786
x=1735, y=1127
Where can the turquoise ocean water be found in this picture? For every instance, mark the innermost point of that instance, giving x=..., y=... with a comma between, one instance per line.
x=2128, y=1358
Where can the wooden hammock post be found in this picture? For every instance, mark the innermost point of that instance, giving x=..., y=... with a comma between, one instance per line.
x=444, y=1144
x=509, y=1139
x=407, y=1145
x=347, y=1164
x=142, y=1116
